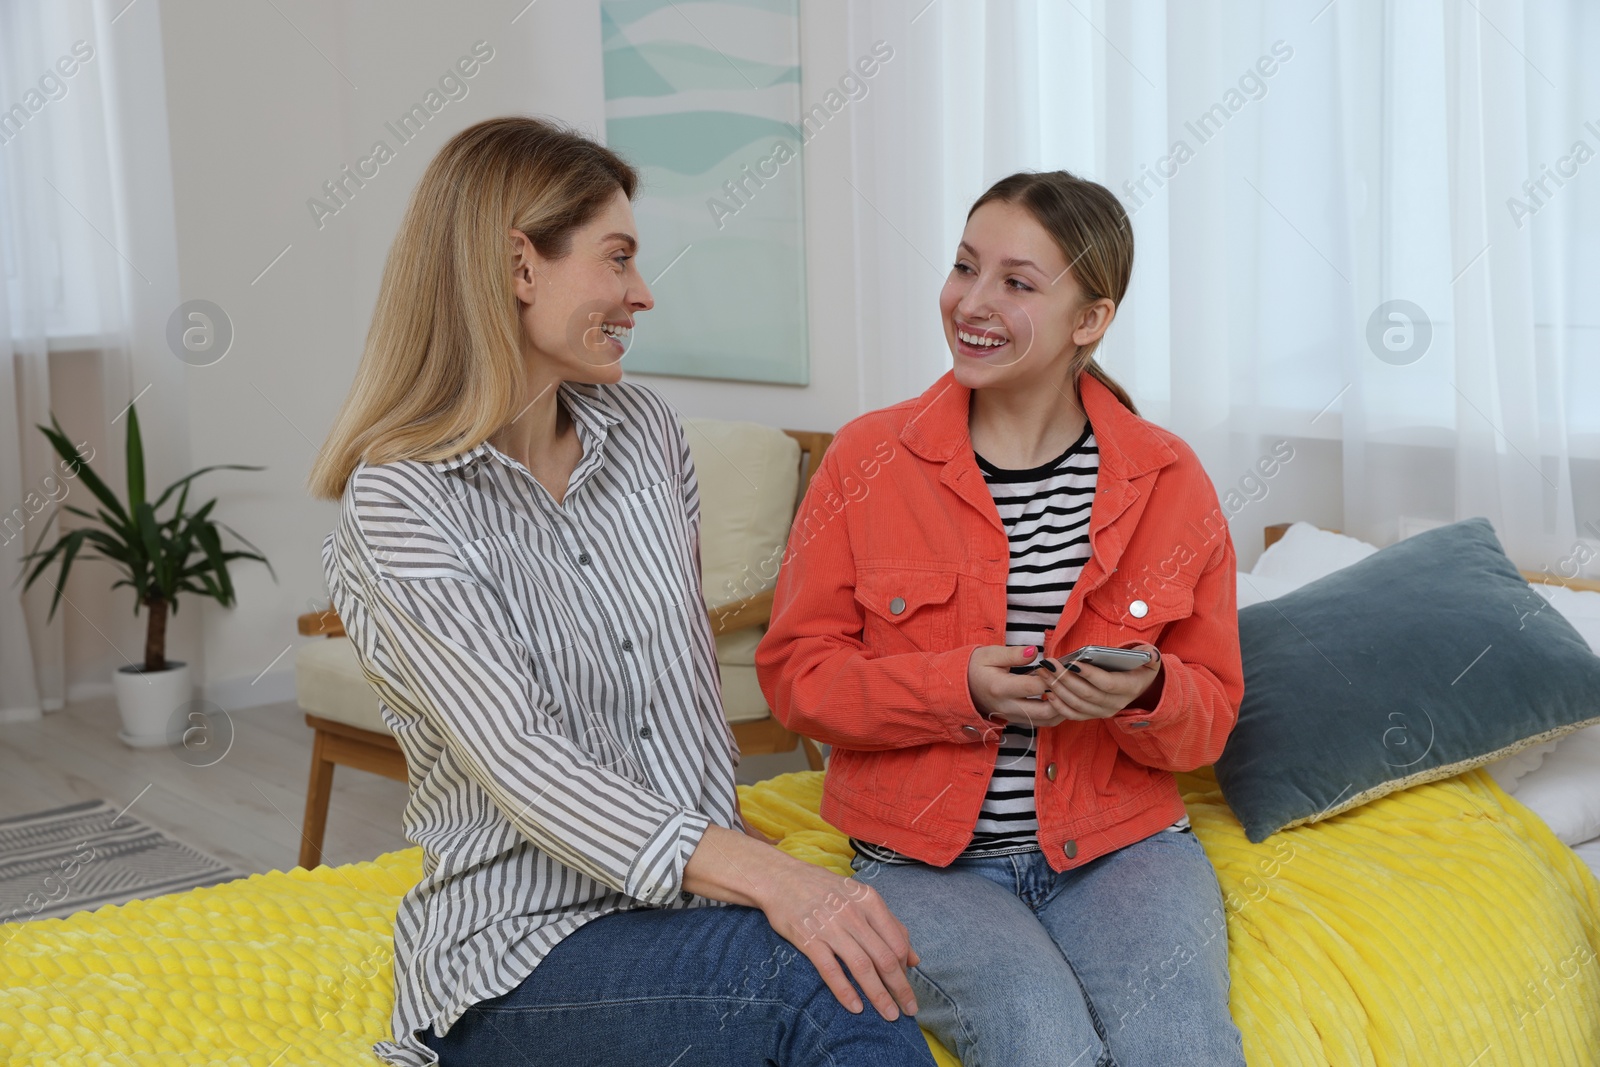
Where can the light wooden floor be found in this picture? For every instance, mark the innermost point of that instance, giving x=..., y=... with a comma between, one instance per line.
x=245, y=809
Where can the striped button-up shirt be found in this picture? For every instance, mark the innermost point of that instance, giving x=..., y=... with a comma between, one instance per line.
x=550, y=674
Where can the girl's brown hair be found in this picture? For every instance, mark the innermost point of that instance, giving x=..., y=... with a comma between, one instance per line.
x=442, y=369
x=1088, y=224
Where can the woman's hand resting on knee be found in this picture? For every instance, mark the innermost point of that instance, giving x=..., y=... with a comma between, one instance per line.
x=828, y=918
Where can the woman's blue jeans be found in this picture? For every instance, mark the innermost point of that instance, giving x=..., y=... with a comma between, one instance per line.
x=1122, y=961
x=702, y=987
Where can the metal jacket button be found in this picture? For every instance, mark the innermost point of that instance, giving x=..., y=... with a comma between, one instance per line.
x=1071, y=849
x=897, y=605
x=1138, y=609
x=971, y=731
x=1050, y=772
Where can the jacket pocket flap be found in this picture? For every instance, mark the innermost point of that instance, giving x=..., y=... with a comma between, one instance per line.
x=896, y=594
x=1126, y=604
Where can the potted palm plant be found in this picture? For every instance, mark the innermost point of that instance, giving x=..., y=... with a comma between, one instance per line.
x=158, y=558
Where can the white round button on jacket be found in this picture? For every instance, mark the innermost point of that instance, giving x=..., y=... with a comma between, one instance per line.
x=1138, y=609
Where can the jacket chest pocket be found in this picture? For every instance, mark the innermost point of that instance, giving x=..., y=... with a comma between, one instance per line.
x=907, y=610
x=1127, y=613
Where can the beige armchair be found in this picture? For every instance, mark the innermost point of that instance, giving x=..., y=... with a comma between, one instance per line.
x=751, y=477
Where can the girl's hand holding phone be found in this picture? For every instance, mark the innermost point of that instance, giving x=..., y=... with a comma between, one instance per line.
x=996, y=691
x=1077, y=691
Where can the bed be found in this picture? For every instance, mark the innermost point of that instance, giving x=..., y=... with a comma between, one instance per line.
x=1442, y=924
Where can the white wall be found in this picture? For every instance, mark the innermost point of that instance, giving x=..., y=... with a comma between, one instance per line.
x=262, y=108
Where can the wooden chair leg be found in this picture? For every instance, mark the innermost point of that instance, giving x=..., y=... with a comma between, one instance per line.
x=318, y=794
x=813, y=753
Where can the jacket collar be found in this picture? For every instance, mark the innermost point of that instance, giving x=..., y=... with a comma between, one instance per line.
x=589, y=405
x=1129, y=446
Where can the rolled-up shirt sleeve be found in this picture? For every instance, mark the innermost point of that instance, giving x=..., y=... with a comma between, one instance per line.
x=447, y=645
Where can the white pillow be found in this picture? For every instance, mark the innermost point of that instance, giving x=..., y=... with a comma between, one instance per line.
x=1580, y=607
x=1563, y=785
x=1508, y=772
x=1305, y=553
x=1565, y=790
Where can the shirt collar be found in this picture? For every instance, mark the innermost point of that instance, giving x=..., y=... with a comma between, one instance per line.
x=590, y=405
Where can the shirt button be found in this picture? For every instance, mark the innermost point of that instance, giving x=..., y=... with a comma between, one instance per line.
x=1138, y=609
x=583, y=558
x=1050, y=772
x=1071, y=849
x=897, y=605
x=686, y=896
x=627, y=644
x=644, y=732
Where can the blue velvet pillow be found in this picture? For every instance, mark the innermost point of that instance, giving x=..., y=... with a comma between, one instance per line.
x=1425, y=659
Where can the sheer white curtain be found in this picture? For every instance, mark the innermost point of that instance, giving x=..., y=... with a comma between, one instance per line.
x=62, y=292
x=1293, y=171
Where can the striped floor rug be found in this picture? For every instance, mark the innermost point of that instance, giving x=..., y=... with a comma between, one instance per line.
x=54, y=863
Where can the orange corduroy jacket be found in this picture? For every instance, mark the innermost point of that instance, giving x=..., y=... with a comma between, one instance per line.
x=895, y=571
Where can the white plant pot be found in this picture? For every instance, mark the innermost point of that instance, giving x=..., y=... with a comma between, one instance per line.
x=148, y=700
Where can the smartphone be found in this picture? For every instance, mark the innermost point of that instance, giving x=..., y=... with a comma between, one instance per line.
x=1109, y=659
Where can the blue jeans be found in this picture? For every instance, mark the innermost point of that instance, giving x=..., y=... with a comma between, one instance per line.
x=1122, y=962
x=703, y=987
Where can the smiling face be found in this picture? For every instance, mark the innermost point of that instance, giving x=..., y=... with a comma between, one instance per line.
x=578, y=311
x=1012, y=310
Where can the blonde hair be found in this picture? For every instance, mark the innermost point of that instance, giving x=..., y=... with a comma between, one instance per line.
x=442, y=368
x=1089, y=225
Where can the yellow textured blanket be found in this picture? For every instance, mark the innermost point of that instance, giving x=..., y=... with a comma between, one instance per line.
x=1440, y=925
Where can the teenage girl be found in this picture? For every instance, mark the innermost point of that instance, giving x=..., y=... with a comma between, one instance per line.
x=1026, y=827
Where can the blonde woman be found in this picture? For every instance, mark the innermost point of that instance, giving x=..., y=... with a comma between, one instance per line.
x=517, y=564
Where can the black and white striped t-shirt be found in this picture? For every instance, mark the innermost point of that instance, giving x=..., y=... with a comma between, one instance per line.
x=1045, y=510
x=549, y=672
